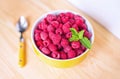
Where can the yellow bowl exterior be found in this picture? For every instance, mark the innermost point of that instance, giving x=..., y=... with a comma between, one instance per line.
x=60, y=63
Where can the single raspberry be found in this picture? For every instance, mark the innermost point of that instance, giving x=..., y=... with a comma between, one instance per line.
x=46, y=42
x=60, y=25
x=59, y=19
x=51, y=35
x=71, y=54
x=84, y=26
x=63, y=55
x=43, y=35
x=83, y=48
x=75, y=44
x=72, y=21
x=76, y=17
x=64, y=42
x=88, y=34
x=50, y=28
x=66, y=28
x=62, y=15
x=59, y=31
x=69, y=14
x=55, y=24
x=51, y=17
x=79, y=52
x=56, y=39
x=75, y=26
x=55, y=54
x=52, y=47
x=65, y=19
x=67, y=49
x=39, y=43
x=37, y=36
x=68, y=35
x=37, y=31
x=43, y=25
x=45, y=50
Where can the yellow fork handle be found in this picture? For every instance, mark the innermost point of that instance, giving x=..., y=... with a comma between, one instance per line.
x=21, y=61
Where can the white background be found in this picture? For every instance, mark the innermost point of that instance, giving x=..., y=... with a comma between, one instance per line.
x=106, y=12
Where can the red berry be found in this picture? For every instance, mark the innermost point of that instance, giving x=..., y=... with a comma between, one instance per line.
x=39, y=43
x=83, y=48
x=68, y=35
x=45, y=50
x=71, y=54
x=50, y=28
x=63, y=55
x=75, y=26
x=46, y=42
x=37, y=36
x=52, y=47
x=64, y=42
x=79, y=52
x=59, y=31
x=66, y=28
x=87, y=34
x=67, y=49
x=55, y=24
x=65, y=19
x=43, y=35
x=69, y=14
x=75, y=44
x=50, y=17
x=55, y=54
x=56, y=39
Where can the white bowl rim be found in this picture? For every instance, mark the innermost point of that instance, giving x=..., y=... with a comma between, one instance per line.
x=90, y=28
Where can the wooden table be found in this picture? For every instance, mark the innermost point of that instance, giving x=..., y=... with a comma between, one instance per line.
x=102, y=62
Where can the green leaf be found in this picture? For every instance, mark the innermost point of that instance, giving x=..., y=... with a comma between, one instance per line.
x=85, y=42
x=74, y=32
x=80, y=34
x=74, y=38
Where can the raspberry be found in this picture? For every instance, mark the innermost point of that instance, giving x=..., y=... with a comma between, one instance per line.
x=45, y=50
x=52, y=47
x=61, y=25
x=71, y=54
x=78, y=22
x=50, y=17
x=68, y=35
x=72, y=21
x=87, y=34
x=83, y=48
x=76, y=17
x=55, y=54
x=59, y=19
x=69, y=14
x=51, y=35
x=56, y=39
x=59, y=31
x=76, y=27
x=63, y=55
x=65, y=19
x=66, y=27
x=37, y=31
x=46, y=42
x=62, y=14
x=50, y=28
x=75, y=44
x=39, y=43
x=43, y=25
x=43, y=35
x=79, y=52
x=55, y=24
x=84, y=26
x=67, y=49
x=37, y=36
x=64, y=42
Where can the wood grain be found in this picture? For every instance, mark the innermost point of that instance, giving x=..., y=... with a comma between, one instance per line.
x=102, y=62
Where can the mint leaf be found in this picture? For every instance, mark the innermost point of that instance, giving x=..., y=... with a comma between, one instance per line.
x=74, y=38
x=80, y=34
x=74, y=32
x=85, y=41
